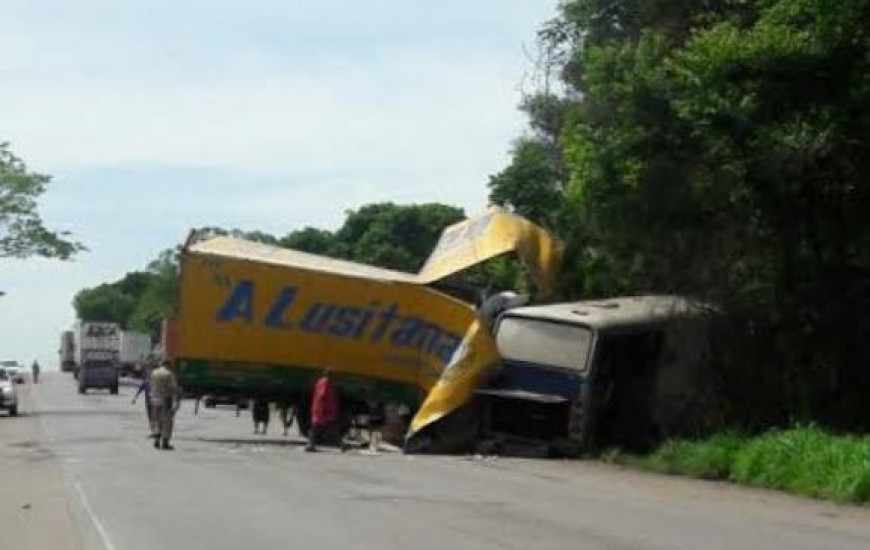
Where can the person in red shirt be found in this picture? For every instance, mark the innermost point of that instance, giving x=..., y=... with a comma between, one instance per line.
x=324, y=414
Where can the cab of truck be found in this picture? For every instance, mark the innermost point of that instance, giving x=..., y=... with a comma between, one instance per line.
x=98, y=370
x=585, y=375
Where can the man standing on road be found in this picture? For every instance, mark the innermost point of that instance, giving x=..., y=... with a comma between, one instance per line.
x=145, y=387
x=324, y=414
x=165, y=399
x=34, y=368
x=260, y=414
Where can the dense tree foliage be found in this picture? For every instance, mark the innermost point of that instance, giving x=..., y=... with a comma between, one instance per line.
x=138, y=301
x=717, y=148
x=22, y=232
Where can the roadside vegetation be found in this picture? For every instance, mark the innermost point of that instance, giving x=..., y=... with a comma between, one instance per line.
x=802, y=460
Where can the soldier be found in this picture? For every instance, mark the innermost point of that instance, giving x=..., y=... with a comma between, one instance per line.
x=165, y=400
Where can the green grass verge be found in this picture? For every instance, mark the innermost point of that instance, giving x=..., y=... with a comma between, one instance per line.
x=803, y=460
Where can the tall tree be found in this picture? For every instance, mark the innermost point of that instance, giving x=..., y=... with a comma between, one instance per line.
x=22, y=232
x=106, y=303
x=311, y=239
x=719, y=148
x=394, y=236
x=158, y=299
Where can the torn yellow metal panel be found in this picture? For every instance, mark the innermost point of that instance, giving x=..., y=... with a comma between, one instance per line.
x=492, y=234
x=476, y=358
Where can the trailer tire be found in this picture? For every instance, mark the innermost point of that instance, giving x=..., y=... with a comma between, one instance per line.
x=82, y=390
x=13, y=410
x=114, y=390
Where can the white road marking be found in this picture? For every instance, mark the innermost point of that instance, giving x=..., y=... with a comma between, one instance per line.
x=104, y=535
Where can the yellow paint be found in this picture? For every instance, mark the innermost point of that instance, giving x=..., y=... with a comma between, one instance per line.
x=411, y=347
x=492, y=234
x=474, y=361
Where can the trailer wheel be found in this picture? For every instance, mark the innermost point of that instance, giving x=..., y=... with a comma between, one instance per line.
x=114, y=390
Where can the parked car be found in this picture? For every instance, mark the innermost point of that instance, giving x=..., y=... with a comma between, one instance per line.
x=14, y=370
x=8, y=393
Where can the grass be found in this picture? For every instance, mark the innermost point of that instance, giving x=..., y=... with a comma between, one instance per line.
x=803, y=460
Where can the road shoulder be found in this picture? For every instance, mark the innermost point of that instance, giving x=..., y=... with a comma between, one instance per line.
x=34, y=497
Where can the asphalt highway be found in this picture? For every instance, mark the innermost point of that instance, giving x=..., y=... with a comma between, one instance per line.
x=79, y=472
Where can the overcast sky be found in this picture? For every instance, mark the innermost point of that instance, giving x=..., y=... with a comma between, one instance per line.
x=155, y=116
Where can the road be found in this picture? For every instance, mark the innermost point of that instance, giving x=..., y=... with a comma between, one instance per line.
x=78, y=472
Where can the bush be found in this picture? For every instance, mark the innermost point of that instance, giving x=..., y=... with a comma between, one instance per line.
x=709, y=459
x=809, y=462
x=802, y=460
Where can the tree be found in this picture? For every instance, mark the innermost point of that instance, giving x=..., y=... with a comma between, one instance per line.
x=106, y=302
x=531, y=185
x=158, y=299
x=394, y=236
x=22, y=232
x=310, y=239
x=138, y=301
x=717, y=148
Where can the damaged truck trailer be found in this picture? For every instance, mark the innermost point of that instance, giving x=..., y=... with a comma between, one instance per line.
x=260, y=321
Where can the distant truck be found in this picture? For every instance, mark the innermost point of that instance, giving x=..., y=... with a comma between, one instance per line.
x=97, y=349
x=134, y=349
x=67, y=351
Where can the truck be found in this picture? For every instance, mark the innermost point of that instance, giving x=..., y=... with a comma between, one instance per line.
x=134, y=349
x=67, y=351
x=257, y=320
x=97, y=349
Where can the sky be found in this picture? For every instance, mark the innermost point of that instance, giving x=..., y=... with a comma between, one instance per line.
x=156, y=116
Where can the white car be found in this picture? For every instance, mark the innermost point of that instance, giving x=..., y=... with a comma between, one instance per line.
x=8, y=393
x=15, y=371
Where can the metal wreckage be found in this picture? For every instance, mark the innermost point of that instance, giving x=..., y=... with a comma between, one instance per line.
x=505, y=376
